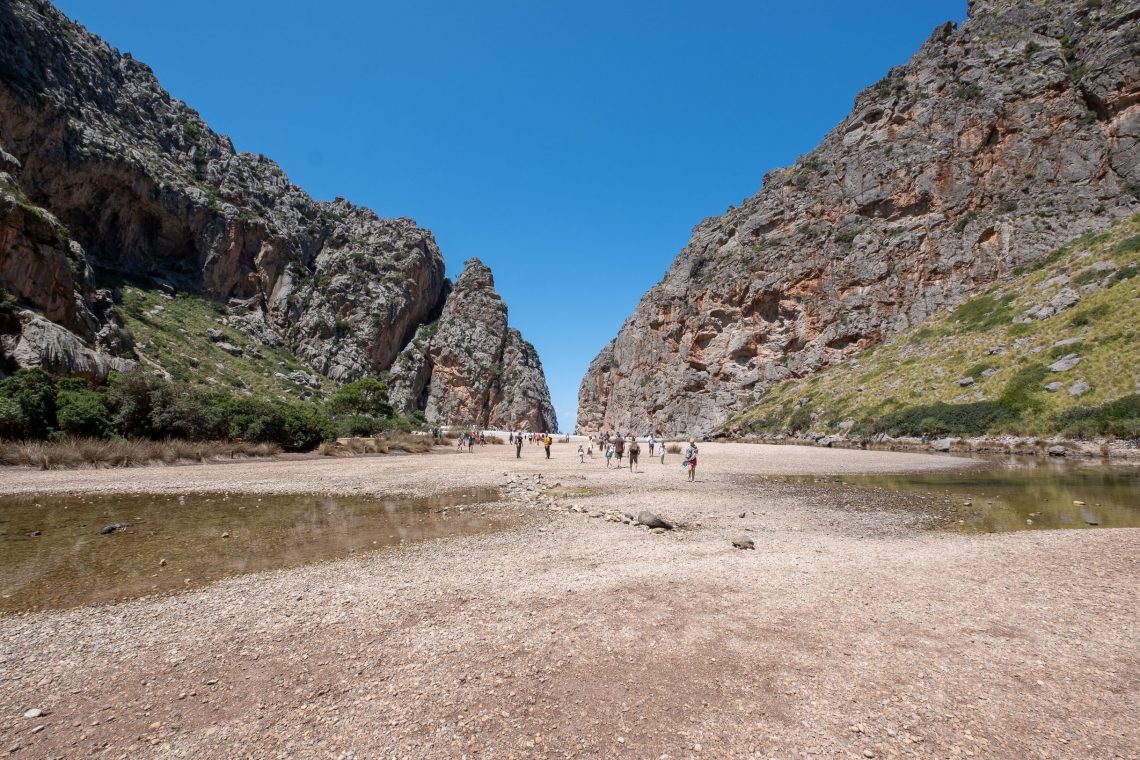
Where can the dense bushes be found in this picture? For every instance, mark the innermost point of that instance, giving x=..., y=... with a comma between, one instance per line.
x=941, y=419
x=139, y=405
x=1119, y=419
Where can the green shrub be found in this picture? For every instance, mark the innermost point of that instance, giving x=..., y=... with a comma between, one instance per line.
x=944, y=419
x=983, y=312
x=1087, y=276
x=1084, y=317
x=1128, y=245
x=12, y=419
x=977, y=370
x=355, y=425
x=800, y=420
x=33, y=392
x=1118, y=419
x=82, y=412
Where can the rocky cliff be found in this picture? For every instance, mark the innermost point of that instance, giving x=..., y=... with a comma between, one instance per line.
x=998, y=141
x=468, y=368
x=104, y=172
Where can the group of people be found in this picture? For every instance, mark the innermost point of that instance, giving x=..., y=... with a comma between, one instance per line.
x=614, y=447
x=617, y=446
x=468, y=439
x=515, y=437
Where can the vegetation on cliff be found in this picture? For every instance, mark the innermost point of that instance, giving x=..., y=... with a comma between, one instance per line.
x=1052, y=350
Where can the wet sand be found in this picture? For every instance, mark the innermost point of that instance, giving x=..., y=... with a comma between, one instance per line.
x=848, y=632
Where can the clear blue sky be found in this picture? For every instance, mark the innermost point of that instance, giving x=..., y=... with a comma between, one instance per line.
x=571, y=146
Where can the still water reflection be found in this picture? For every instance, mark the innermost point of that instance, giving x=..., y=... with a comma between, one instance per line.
x=54, y=554
x=1022, y=494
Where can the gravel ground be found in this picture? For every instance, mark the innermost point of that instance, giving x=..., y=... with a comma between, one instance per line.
x=846, y=633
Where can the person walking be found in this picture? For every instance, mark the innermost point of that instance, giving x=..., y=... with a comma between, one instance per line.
x=690, y=460
x=609, y=454
x=651, y=441
x=581, y=454
x=619, y=449
x=634, y=450
x=662, y=445
x=459, y=442
x=518, y=446
x=546, y=441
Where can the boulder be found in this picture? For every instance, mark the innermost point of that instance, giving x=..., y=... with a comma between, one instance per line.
x=744, y=541
x=1067, y=298
x=941, y=444
x=1079, y=388
x=1065, y=363
x=652, y=520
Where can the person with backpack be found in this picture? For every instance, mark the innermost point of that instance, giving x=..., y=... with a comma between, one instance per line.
x=619, y=448
x=546, y=441
x=634, y=450
x=518, y=446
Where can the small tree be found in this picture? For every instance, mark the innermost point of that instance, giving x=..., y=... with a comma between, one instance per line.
x=367, y=396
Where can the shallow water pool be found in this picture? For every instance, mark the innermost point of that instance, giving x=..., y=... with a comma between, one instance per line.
x=1020, y=494
x=58, y=551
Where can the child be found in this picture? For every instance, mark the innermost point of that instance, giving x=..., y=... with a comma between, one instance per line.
x=662, y=445
x=581, y=454
x=609, y=455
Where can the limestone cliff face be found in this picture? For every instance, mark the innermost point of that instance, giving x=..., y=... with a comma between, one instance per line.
x=102, y=170
x=469, y=369
x=147, y=188
x=996, y=142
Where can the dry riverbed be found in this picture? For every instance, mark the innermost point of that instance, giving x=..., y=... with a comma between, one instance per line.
x=848, y=632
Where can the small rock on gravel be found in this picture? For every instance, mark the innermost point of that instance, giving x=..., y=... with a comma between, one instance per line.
x=34, y=712
x=651, y=520
x=743, y=542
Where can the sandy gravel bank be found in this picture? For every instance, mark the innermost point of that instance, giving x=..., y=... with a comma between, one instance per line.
x=846, y=633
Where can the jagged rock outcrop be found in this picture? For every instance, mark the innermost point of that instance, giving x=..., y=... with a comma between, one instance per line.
x=148, y=189
x=102, y=170
x=996, y=142
x=468, y=368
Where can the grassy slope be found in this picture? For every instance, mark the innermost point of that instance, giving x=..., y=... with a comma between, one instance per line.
x=171, y=332
x=909, y=385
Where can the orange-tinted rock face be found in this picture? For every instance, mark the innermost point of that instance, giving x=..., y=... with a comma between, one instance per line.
x=470, y=370
x=998, y=142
